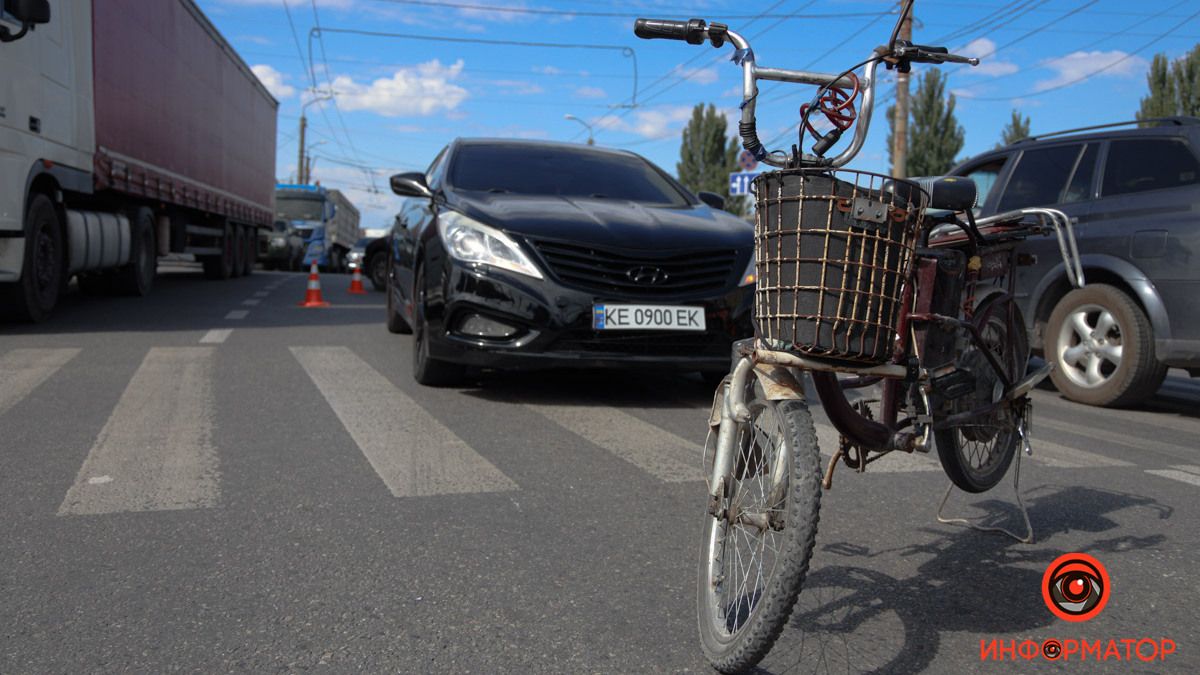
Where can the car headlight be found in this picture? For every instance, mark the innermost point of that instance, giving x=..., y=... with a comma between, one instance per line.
x=278, y=241
x=749, y=276
x=354, y=256
x=474, y=242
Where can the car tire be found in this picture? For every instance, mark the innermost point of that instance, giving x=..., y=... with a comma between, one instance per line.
x=34, y=296
x=396, y=323
x=1102, y=347
x=426, y=369
x=377, y=270
x=137, y=278
x=251, y=248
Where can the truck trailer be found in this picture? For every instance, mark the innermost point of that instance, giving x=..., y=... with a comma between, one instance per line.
x=129, y=130
x=325, y=218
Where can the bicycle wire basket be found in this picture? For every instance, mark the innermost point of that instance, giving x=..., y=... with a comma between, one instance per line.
x=833, y=249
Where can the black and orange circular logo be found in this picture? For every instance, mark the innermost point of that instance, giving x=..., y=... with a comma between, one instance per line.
x=1075, y=587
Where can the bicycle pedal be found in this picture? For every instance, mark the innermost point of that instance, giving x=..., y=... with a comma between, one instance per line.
x=954, y=384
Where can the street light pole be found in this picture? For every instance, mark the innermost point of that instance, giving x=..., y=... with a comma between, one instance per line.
x=301, y=173
x=591, y=141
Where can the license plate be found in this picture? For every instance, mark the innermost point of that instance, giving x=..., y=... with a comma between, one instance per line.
x=647, y=317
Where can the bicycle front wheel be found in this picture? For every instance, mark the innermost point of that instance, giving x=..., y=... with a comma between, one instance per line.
x=754, y=558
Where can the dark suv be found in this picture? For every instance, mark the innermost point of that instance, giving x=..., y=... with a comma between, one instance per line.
x=1133, y=195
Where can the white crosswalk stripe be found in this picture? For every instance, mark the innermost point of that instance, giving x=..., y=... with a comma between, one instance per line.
x=1186, y=473
x=155, y=453
x=658, y=452
x=22, y=370
x=414, y=454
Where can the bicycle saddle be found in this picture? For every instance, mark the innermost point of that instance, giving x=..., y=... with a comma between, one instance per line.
x=952, y=193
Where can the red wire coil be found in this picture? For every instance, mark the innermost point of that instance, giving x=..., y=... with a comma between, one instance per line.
x=836, y=105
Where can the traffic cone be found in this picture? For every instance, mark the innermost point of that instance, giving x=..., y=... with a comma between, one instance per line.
x=356, y=285
x=312, y=296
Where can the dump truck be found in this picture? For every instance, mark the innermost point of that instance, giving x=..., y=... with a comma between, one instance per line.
x=325, y=218
x=129, y=131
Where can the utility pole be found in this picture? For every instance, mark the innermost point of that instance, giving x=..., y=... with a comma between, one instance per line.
x=591, y=140
x=900, y=113
x=300, y=162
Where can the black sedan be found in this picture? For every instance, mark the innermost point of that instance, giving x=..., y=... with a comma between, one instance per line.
x=520, y=255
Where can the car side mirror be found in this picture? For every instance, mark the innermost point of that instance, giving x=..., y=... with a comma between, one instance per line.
x=712, y=199
x=28, y=12
x=411, y=185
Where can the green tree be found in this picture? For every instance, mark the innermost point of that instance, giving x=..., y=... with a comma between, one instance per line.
x=1174, y=87
x=707, y=156
x=934, y=135
x=1016, y=129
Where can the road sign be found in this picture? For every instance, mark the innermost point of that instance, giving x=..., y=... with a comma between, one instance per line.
x=739, y=183
x=746, y=161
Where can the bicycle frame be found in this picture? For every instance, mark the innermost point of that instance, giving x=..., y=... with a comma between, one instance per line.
x=902, y=370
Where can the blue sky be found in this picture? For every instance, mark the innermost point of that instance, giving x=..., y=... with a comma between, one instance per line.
x=1064, y=63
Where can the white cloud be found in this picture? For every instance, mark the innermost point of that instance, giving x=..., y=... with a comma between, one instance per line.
x=697, y=75
x=547, y=70
x=1077, y=65
x=590, y=92
x=982, y=49
x=423, y=89
x=963, y=93
x=273, y=80
x=649, y=122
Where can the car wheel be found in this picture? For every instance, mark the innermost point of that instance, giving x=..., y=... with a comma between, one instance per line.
x=1102, y=346
x=426, y=369
x=395, y=321
x=378, y=271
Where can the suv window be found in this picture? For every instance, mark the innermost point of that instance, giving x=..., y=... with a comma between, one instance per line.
x=985, y=179
x=1080, y=187
x=1040, y=177
x=1148, y=164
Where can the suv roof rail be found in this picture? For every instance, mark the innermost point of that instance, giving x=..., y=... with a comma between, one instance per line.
x=1178, y=121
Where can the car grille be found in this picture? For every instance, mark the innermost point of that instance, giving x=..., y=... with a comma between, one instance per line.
x=644, y=343
x=617, y=272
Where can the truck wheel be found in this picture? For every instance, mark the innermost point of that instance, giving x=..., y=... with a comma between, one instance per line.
x=138, y=277
x=34, y=296
x=1102, y=347
x=251, y=245
x=221, y=266
x=239, y=250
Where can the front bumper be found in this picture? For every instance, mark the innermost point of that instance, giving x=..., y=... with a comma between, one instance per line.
x=552, y=325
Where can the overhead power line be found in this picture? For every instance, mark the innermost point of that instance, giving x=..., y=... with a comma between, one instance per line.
x=669, y=13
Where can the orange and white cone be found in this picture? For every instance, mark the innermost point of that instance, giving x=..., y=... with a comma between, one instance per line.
x=312, y=296
x=356, y=285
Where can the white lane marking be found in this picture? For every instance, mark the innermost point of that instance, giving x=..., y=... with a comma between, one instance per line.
x=413, y=452
x=237, y=314
x=1151, y=419
x=1063, y=457
x=656, y=451
x=251, y=302
x=1190, y=468
x=1105, y=435
x=155, y=453
x=1173, y=474
x=262, y=294
x=216, y=336
x=22, y=370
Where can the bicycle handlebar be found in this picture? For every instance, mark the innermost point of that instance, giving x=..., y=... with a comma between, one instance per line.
x=693, y=31
x=901, y=54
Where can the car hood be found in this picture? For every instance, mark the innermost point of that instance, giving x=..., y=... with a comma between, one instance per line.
x=608, y=222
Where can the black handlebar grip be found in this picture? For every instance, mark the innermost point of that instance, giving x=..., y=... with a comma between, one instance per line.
x=690, y=31
x=932, y=50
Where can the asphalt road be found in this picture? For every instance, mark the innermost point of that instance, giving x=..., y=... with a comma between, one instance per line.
x=211, y=479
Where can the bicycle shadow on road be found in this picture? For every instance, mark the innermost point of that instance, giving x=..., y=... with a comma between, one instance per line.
x=852, y=619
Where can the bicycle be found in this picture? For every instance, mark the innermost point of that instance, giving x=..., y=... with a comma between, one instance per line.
x=855, y=276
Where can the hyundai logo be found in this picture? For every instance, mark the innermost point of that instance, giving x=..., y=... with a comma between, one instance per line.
x=646, y=275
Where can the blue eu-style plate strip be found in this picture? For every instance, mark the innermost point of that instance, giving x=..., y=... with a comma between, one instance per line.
x=598, y=317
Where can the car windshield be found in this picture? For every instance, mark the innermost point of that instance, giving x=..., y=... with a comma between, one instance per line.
x=299, y=208
x=563, y=172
